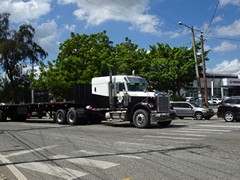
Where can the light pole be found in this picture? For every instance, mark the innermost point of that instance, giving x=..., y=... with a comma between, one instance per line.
x=196, y=63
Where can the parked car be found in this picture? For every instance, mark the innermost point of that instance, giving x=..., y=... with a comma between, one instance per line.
x=187, y=109
x=214, y=101
x=229, y=109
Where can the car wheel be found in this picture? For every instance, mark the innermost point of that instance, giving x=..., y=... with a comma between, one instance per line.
x=198, y=115
x=229, y=116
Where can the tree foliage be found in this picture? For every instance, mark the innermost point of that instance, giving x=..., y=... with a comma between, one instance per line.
x=16, y=47
x=170, y=68
x=83, y=57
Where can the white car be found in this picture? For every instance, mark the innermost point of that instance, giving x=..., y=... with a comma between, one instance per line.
x=214, y=101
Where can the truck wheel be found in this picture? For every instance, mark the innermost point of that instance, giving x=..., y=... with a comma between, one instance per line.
x=60, y=116
x=72, y=117
x=164, y=123
x=228, y=116
x=3, y=116
x=141, y=118
x=198, y=115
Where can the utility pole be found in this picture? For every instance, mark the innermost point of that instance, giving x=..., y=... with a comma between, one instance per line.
x=204, y=72
x=196, y=63
x=196, y=68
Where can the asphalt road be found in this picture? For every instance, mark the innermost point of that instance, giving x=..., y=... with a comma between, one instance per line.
x=187, y=149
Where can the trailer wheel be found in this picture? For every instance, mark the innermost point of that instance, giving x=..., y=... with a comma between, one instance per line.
x=60, y=116
x=72, y=117
x=141, y=118
x=3, y=116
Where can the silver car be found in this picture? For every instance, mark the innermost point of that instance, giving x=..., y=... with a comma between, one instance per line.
x=187, y=109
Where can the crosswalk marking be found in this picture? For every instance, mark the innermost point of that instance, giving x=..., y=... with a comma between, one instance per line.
x=220, y=126
x=192, y=131
x=130, y=156
x=53, y=170
x=175, y=134
x=87, y=162
x=121, y=155
x=12, y=168
x=171, y=137
x=29, y=151
x=209, y=130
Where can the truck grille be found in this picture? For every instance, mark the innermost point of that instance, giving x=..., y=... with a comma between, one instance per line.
x=163, y=104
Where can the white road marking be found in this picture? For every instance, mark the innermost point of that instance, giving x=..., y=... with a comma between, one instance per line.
x=122, y=155
x=221, y=126
x=180, y=131
x=210, y=130
x=53, y=170
x=177, y=138
x=12, y=168
x=174, y=134
x=130, y=156
x=29, y=151
x=87, y=162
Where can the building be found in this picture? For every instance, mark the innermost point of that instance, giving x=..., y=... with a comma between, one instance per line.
x=218, y=86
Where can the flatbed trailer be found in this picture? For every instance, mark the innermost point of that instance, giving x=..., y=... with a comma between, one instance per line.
x=20, y=112
x=106, y=98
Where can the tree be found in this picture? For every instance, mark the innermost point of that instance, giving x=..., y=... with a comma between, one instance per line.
x=17, y=47
x=128, y=57
x=170, y=68
x=81, y=58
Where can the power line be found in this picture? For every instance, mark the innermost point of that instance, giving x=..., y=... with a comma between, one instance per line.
x=165, y=17
x=212, y=17
x=219, y=38
x=117, y=12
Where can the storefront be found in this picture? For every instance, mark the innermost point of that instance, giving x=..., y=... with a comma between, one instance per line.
x=218, y=86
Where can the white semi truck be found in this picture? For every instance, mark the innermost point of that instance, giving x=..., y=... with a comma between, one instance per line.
x=121, y=97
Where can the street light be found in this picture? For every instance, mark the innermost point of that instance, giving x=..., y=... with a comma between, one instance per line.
x=196, y=63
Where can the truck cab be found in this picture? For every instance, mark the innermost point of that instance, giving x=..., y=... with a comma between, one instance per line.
x=128, y=99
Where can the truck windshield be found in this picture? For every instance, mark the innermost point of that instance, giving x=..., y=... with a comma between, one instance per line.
x=136, y=83
x=136, y=87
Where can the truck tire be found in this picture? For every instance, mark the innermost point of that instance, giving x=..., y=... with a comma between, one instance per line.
x=3, y=116
x=60, y=116
x=72, y=117
x=141, y=118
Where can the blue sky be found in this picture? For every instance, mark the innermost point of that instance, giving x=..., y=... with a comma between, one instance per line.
x=145, y=22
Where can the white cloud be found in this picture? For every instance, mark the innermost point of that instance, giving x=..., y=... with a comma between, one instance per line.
x=97, y=12
x=217, y=19
x=226, y=2
x=230, y=30
x=69, y=27
x=46, y=34
x=225, y=47
x=227, y=67
x=22, y=11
